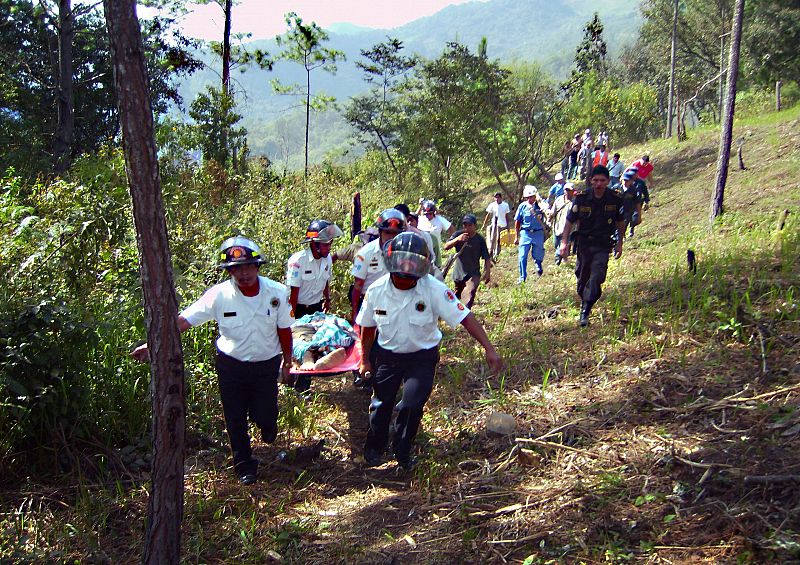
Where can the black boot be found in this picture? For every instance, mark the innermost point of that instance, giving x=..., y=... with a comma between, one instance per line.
x=584, y=318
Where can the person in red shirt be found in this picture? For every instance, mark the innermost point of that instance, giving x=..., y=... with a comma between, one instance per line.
x=644, y=168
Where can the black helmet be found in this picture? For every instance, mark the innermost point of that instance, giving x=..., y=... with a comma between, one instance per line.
x=407, y=255
x=391, y=220
x=322, y=231
x=239, y=251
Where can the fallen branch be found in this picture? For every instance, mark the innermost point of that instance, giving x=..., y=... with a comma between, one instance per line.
x=555, y=446
x=537, y=535
x=768, y=479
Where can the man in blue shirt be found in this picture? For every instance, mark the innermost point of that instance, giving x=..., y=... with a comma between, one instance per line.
x=557, y=189
x=530, y=231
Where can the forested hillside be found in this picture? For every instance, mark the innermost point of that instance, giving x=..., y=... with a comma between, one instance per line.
x=668, y=430
x=542, y=31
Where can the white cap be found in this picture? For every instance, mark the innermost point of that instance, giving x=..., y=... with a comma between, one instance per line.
x=588, y=130
x=529, y=191
x=559, y=176
x=569, y=186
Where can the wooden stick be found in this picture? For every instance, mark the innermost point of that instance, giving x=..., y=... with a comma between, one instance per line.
x=767, y=479
x=537, y=535
x=555, y=445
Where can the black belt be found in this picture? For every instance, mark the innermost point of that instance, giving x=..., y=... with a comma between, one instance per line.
x=533, y=231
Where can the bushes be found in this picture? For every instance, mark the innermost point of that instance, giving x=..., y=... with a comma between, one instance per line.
x=760, y=101
x=627, y=112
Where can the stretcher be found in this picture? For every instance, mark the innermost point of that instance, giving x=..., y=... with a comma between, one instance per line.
x=349, y=364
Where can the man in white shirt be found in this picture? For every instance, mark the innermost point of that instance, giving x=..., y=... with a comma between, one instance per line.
x=368, y=265
x=308, y=272
x=254, y=319
x=308, y=275
x=498, y=217
x=436, y=225
x=403, y=308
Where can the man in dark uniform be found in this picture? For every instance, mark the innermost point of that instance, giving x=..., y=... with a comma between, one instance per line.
x=632, y=199
x=598, y=213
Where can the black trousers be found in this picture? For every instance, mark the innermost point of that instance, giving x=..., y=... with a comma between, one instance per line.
x=247, y=389
x=591, y=267
x=415, y=371
x=305, y=309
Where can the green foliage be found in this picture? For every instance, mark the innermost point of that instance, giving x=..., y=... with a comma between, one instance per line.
x=214, y=131
x=758, y=101
x=29, y=82
x=303, y=44
x=628, y=112
x=376, y=115
x=590, y=55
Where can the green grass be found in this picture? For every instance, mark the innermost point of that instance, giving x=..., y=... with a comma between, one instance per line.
x=627, y=390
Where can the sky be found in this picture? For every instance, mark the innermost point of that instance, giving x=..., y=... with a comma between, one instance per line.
x=265, y=18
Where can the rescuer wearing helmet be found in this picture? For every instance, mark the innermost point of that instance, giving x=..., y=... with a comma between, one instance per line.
x=308, y=275
x=308, y=271
x=368, y=265
x=254, y=319
x=400, y=343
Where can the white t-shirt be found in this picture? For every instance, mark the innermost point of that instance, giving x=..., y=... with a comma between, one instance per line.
x=368, y=264
x=408, y=320
x=248, y=326
x=499, y=211
x=435, y=226
x=309, y=275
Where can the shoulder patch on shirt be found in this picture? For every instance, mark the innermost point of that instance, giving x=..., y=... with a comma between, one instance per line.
x=448, y=294
x=275, y=302
x=360, y=257
x=460, y=306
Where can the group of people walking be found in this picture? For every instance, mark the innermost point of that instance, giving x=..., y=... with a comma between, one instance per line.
x=587, y=222
x=397, y=299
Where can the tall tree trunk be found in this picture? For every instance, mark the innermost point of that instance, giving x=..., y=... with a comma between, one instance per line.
x=308, y=114
x=726, y=134
x=226, y=72
x=226, y=49
x=62, y=146
x=722, y=35
x=162, y=541
x=673, y=50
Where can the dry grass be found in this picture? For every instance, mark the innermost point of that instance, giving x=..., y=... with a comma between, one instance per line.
x=669, y=431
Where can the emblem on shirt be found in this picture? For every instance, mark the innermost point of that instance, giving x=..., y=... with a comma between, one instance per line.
x=359, y=257
x=275, y=302
x=609, y=220
x=380, y=312
x=460, y=306
x=448, y=294
x=420, y=306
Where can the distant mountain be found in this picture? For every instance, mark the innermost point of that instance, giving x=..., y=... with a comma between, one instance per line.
x=546, y=31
